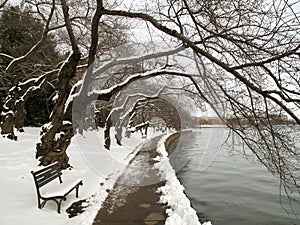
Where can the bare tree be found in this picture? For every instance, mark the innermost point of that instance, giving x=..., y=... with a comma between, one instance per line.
x=245, y=63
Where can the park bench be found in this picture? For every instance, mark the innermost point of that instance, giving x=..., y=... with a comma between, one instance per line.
x=53, y=191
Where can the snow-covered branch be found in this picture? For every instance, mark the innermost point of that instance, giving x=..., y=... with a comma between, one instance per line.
x=132, y=60
x=119, y=115
x=97, y=74
x=123, y=61
x=104, y=93
x=136, y=96
x=6, y=56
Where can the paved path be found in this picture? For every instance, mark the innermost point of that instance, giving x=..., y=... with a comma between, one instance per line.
x=134, y=200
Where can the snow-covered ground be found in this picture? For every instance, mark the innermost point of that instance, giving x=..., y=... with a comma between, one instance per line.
x=97, y=167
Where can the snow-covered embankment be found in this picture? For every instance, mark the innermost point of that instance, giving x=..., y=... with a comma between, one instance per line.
x=179, y=209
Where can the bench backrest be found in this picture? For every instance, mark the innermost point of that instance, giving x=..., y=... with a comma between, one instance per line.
x=47, y=174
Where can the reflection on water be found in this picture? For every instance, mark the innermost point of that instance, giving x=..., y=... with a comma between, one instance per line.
x=228, y=189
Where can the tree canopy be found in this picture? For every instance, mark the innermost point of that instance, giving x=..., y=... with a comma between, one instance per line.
x=239, y=57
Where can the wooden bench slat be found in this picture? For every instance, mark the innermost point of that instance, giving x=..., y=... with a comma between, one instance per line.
x=47, y=173
x=51, y=166
x=47, y=180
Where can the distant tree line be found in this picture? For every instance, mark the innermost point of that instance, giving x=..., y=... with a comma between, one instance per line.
x=245, y=121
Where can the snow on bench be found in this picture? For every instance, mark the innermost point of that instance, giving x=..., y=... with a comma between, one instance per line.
x=55, y=191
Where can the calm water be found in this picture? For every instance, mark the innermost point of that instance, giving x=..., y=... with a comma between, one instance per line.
x=226, y=188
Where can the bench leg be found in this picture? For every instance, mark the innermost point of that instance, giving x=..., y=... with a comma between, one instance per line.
x=59, y=205
x=42, y=204
x=58, y=199
x=77, y=190
x=58, y=202
x=39, y=203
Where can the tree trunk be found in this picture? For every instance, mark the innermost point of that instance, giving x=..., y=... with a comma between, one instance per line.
x=107, y=139
x=51, y=150
x=57, y=136
x=7, y=126
x=8, y=114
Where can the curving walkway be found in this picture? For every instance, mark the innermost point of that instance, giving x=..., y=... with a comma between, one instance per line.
x=134, y=198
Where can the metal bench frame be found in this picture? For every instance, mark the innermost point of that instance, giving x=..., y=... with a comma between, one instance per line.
x=45, y=176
